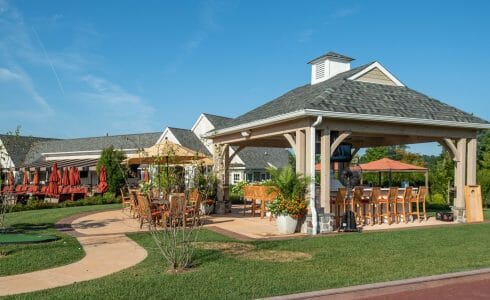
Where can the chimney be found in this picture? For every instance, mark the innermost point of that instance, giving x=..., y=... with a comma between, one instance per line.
x=328, y=65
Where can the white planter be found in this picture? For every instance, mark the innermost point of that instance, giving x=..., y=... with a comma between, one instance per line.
x=207, y=209
x=286, y=224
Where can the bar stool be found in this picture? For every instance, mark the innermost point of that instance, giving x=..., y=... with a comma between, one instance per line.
x=402, y=200
x=370, y=213
x=356, y=204
x=419, y=198
x=386, y=203
x=339, y=203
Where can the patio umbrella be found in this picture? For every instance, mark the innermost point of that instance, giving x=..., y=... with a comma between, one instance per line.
x=77, y=176
x=165, y=152
x=72, y=176
x=60, y=177
x=35, y=179
x=11, y=178
x=66, y=177
x=146, y=176
x=53, y=181
x=103, y=186
x=25, y=181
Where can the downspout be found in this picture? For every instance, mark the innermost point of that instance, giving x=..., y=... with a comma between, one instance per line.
x=312, y=194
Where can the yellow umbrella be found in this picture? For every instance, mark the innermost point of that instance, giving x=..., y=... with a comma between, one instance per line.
x=165, y=152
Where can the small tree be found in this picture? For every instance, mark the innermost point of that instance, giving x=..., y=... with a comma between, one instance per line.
x=116, y=172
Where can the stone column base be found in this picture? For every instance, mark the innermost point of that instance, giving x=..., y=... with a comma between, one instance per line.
x=459, y=214
x=325, y=223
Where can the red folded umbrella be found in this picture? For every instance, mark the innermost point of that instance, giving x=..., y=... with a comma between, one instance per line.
x=66, y=177
x=60, y=177
x=11, y=179
x=25, y=181
x=72, y=176
x=77, y=177
x=53, y=181
x=35, y=179
x=146, y=176
x=103, y=186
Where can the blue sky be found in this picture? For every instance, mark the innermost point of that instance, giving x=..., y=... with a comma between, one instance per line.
x=87, y=68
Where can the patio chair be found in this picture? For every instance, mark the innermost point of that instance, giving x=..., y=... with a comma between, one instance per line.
x=146, y=212
x=248, y=196
x=403, y=201
x=419, y=198
x=175, y=214
x=339, y=203
x=385, y=203
x=193, y=212
x=126, y=200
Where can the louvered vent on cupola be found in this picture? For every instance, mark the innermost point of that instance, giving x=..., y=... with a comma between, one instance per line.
x=328, y=65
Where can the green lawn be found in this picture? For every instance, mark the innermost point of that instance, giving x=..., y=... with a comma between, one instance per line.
x=30, y=257
x=339, y=260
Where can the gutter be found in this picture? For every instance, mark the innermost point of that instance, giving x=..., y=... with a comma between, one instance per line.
x=344, y=115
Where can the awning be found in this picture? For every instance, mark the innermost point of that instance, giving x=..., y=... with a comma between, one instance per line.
x=81, y=164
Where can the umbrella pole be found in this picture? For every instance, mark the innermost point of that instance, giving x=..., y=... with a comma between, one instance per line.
x=166, y=172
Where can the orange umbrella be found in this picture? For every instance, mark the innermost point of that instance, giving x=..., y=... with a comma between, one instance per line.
x=35, y=180
x=11, y=178
x=146, y=176
x=103, y=186
x=66, y=177
x=53, y=181
x=72, y=176
x=25, y=181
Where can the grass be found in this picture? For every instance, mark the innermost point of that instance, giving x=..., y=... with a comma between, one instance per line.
x=337, y=261
x=25, y=258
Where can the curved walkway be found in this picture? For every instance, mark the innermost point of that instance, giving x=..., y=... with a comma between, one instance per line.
x=108, y=250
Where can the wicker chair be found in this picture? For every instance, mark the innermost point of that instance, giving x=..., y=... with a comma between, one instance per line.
x=146, y=212
x=175, y=215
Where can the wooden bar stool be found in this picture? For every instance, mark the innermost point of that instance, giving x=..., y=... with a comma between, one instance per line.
x=370, y=213
x=356, y=204
x=419, y=198
x=339, y=203
x=386, y=203
x=402, y=201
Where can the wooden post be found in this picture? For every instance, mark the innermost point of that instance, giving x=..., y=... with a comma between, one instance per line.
x=460, y=180
x=300, y=151
x=471, y=162
x=325, y=170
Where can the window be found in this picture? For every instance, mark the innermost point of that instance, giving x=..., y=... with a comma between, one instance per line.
x=250, y=177
x=236, y=177
x=263, y=177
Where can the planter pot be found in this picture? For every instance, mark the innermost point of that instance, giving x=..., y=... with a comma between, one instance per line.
x=207, y=209
x=286, y=224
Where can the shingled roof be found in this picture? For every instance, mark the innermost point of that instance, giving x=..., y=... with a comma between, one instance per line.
x=188, y=139
x=126, y=141
x=218, y=121
x=341, y=95
x=262, y=157
x=17, y=146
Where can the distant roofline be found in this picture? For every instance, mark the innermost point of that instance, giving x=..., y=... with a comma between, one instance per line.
x=344, y=115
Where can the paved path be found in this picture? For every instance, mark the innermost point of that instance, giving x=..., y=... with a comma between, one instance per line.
x=472, y=285
x=106, y=252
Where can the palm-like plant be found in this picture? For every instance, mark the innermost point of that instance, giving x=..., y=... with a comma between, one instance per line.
x=291, y=189
x=290, y=185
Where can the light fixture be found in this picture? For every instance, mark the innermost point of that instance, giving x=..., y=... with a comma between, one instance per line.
x=246, y=133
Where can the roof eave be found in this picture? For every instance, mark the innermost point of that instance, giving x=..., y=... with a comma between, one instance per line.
x=344, y=115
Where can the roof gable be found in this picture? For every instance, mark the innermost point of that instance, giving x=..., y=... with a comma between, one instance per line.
x=376, y=73
x=18, y=147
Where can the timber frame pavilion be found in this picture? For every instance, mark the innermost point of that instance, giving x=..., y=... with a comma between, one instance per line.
x=365, y=107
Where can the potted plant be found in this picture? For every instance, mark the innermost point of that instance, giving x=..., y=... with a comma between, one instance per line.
x=289, y=204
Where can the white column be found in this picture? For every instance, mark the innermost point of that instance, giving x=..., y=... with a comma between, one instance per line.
x=310, y=172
